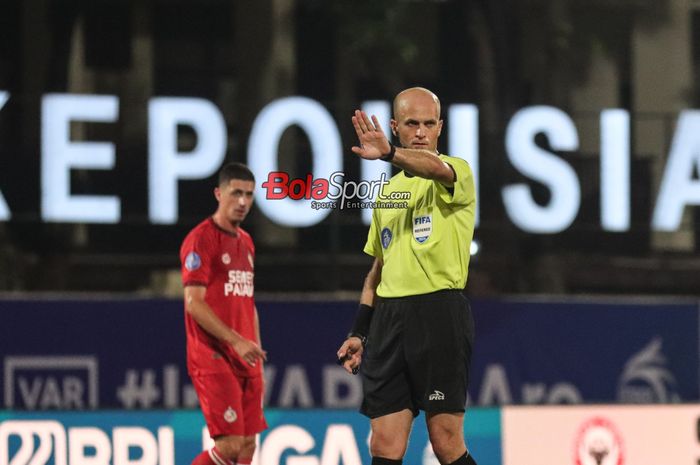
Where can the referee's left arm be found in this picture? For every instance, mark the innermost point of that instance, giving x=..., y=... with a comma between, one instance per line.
x=424, y=164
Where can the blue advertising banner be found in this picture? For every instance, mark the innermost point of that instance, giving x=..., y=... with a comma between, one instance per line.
x=85, y=354
x=130, y=354
x=313, y=437
x=567, y=352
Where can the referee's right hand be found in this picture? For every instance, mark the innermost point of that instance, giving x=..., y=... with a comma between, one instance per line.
x=350, y=353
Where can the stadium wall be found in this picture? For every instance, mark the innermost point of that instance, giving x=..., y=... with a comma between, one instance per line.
x=130, y=353
x=102, y=381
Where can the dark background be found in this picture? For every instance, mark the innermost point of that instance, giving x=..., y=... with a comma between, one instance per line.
x=503, y=55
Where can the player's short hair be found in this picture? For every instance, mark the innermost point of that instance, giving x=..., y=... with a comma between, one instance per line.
x=235, y=170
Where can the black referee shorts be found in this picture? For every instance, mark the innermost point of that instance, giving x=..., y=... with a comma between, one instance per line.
x=417, y=355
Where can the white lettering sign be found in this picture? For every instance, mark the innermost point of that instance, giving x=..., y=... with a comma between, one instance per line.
x=263, y=147
x=463, y=131
x=679, y=186
x=544, y=167
x=167, y=164
x=60, y=156
x=615, y=170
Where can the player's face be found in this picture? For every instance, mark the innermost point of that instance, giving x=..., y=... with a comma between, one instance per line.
x=417, y=124
x=235, y=199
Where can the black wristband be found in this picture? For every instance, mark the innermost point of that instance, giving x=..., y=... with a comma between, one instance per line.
x=361, y=337
x=389, y=156
x=363, y=318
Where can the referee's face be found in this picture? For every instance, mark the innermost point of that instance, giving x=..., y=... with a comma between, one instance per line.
x=417, y=124
x=235, y=199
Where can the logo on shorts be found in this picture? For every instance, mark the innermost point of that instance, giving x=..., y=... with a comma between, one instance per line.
x=436, y=395
x=230, y=415
x=422, y=227
x=192, y=261
x=386, y=237
x=226, y=258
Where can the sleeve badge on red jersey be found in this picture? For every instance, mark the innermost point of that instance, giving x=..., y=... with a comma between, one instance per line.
x=192, y=261
x=250, y=260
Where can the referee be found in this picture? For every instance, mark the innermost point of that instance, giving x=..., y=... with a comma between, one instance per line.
x=414, y=326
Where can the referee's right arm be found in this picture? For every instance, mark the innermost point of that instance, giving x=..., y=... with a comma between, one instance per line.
x=371, y=282
x=350, y=353
x=363, y=320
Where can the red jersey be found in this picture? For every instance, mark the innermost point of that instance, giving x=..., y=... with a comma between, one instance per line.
x=223, y=263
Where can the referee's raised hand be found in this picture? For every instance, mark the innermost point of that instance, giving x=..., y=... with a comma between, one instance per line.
x=373, y=141
x=350, y=354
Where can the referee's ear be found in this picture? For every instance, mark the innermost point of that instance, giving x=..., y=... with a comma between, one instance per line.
x=394, y=127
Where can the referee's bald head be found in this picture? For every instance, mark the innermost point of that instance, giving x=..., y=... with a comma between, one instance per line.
x=402, y=98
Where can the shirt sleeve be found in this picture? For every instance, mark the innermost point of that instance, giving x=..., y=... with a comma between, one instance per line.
x=462, y=192
x=195, y=261
x=373, y=246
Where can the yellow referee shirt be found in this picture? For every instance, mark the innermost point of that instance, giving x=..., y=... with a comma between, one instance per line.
x=425, y=247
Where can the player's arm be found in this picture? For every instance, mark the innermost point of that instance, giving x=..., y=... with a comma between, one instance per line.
x=350, y=353
x=374, y=146
x=205, y=317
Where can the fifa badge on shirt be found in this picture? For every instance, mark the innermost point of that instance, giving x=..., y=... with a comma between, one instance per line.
x=422, y=227
x=386, y=237
x=192, y=261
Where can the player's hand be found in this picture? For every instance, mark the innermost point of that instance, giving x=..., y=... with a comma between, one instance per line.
x=373, y=142
x=350, y=353
x=249, y=351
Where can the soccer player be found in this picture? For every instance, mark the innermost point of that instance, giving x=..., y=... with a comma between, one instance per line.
x=414, y=329
x=224, y=354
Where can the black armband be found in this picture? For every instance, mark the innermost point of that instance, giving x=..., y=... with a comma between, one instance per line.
x=363, y=319
x=389, y=156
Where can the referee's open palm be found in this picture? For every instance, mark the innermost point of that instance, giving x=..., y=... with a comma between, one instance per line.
x=373, y=142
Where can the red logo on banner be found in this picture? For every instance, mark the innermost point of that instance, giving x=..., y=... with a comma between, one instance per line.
x=598, y=442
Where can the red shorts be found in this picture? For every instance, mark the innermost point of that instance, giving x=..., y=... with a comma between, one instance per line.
x=231, y=405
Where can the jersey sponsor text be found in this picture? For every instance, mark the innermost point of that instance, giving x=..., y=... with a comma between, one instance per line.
x=240, y=283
